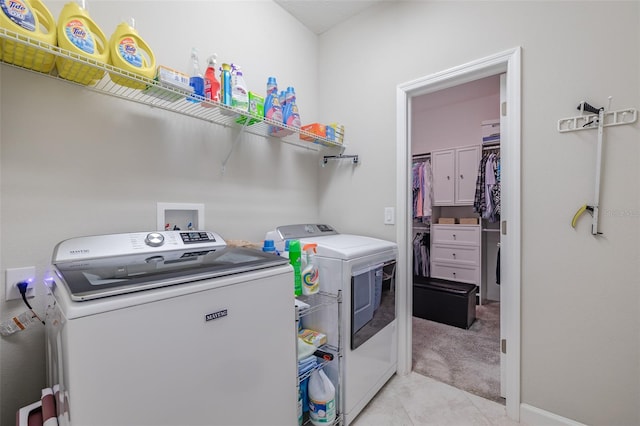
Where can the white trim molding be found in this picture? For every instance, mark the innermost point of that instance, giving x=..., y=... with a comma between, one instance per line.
x=531, y=415
x=508, y=62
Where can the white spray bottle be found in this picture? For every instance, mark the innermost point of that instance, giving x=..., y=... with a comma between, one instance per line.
x=310, y=271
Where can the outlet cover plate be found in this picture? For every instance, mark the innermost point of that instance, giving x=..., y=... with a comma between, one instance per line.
x=13, y=276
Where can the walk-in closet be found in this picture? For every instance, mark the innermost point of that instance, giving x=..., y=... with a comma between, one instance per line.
x=455, y=146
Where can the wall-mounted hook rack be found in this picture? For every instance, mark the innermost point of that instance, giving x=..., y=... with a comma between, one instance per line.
x=326, y=158
x=597, y=118
x=590, y=121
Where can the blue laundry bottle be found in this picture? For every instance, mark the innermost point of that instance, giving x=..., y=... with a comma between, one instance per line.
x=269, y=247
x=196, y=80
x=225, y=85
x=272, y=108
x=290, y=115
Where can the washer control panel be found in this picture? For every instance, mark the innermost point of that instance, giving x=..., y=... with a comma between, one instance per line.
x=193, y=237
x=154, y=239
x=97, y=246
x=304, y=231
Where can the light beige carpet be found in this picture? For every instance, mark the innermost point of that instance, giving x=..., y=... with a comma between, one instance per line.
x=466, y=359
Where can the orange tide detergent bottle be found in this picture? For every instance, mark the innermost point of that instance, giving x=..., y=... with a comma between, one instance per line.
x=130, y=52
x=32, y=19
x=78, y=34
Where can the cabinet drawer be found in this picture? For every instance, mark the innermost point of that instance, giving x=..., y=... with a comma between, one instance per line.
x=455, y=273
x=456, y=234
x=462, y=255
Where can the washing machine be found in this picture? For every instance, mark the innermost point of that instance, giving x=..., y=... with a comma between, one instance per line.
x=170, y=328
x=363, y=270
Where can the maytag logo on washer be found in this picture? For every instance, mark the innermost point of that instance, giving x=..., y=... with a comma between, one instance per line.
x=79, y=251
x=215, y=315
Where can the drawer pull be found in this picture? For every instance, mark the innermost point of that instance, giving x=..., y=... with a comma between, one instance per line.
x=461, y=177
x=448, y=178
x=454, y=236
x=454, y=255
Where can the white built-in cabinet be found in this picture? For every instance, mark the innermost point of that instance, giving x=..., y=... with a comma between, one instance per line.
x=456, y=255
x=454, y=175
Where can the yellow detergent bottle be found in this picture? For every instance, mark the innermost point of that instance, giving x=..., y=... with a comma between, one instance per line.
x=32, y=19
x=130, y=52
x=78, y=34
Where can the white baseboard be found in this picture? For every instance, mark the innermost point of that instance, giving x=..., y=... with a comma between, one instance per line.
x=532, y=416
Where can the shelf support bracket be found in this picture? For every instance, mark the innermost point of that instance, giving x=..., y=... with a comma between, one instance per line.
x=326, y=158
x=234, y=144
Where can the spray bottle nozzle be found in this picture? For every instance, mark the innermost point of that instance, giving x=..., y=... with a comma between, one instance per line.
x=310, y=247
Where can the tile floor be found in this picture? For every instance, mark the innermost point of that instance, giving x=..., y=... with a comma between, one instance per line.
x=416, y=400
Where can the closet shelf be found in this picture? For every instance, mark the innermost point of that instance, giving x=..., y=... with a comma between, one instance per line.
x=215, y=112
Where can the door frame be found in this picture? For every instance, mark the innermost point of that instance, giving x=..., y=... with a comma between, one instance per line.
x=508, y=62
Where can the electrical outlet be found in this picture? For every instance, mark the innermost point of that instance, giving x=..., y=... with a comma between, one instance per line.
x=389, y=216
x=14, y=276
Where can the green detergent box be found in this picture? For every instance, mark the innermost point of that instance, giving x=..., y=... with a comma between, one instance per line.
x=256, y=108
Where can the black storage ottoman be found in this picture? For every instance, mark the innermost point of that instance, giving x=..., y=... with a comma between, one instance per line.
x=447, y=302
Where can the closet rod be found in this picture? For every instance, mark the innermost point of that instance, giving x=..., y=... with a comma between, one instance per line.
x=421, y=156
x=491, y=147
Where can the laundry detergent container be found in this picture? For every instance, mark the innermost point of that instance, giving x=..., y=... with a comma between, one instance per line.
x=30, y=21
x=129, y=52
x=78, y=34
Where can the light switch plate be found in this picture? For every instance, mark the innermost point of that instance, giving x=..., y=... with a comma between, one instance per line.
x=389, y=216
x=13, y=276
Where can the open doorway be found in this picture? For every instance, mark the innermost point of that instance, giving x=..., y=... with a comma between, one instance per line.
x=508, y=63
x=455, y=152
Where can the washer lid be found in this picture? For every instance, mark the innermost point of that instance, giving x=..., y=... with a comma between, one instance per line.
x=109, y=276
x=346, y=246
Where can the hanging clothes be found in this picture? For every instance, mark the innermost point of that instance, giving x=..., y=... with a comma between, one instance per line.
x=487, y=195
x=422, y=184
x=496, y=189
x=489, y=183
x=417, y=188
x=421, y=261
x=428, y=190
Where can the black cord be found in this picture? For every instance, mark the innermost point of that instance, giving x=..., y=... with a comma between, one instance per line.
x=22, y=287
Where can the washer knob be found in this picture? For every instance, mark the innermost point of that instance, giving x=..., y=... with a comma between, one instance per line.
x=154, y=239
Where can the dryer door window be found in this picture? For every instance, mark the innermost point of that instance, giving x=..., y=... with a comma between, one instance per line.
x=362, y=296
x=373, y=301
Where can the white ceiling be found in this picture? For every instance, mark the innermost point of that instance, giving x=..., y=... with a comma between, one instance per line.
x=321, y=15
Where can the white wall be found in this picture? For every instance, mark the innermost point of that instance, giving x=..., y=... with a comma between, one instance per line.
x=73, y=162
x=452, y=117
x=580, y=294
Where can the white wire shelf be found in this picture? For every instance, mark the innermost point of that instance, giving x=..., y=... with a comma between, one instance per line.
x=318, y=301
x=165, y=97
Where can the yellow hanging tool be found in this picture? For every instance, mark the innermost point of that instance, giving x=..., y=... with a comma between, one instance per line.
x=581, y=210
